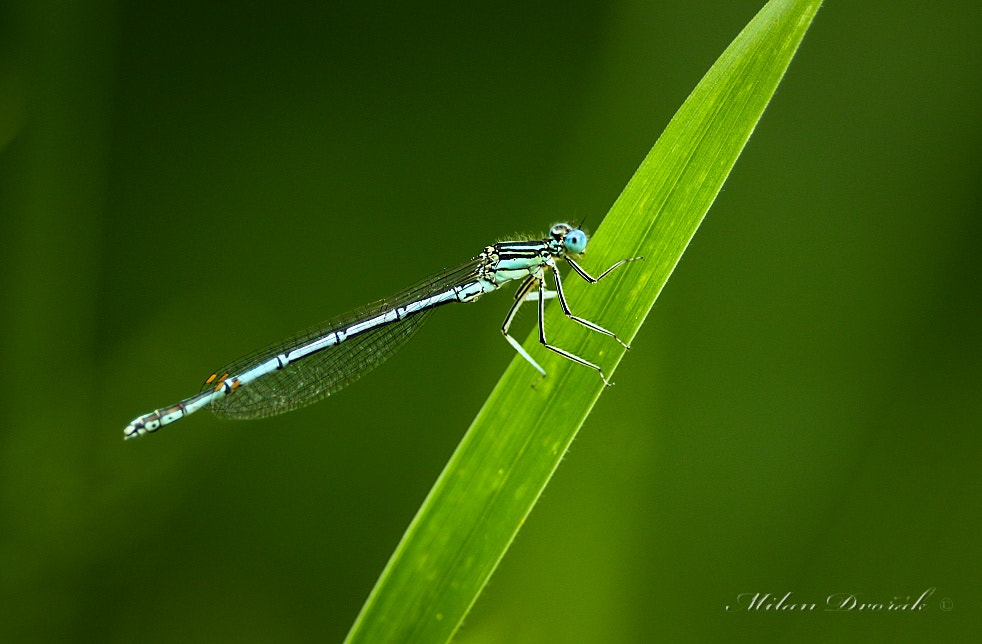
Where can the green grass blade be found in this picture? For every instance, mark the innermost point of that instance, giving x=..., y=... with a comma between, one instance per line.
x=517, y=440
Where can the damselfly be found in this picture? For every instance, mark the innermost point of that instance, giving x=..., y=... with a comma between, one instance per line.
x=322, y=360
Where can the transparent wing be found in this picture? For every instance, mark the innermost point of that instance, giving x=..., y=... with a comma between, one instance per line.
x=326, y=372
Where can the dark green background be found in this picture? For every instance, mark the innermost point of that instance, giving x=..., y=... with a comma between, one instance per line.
x=181, y=182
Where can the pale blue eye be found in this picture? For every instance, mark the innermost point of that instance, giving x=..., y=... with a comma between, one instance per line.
x=575, y=241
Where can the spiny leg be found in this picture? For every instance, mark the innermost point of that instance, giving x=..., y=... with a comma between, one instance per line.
x=524, y=293
x=521, y=296
x=593, y=280
x=587, y=323
x=562, y=352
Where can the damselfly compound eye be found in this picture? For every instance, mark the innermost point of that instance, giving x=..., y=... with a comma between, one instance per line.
x=575, y=242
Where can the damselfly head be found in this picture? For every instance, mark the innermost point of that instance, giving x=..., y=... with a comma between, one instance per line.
x=573, y=240
x=559, y=231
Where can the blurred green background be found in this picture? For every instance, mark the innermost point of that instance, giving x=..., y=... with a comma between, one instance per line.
x=183, y=182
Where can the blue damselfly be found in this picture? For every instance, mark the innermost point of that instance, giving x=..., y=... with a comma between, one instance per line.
x=322, y=360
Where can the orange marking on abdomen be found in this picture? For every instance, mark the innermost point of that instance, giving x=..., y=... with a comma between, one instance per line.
x=221, y=381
